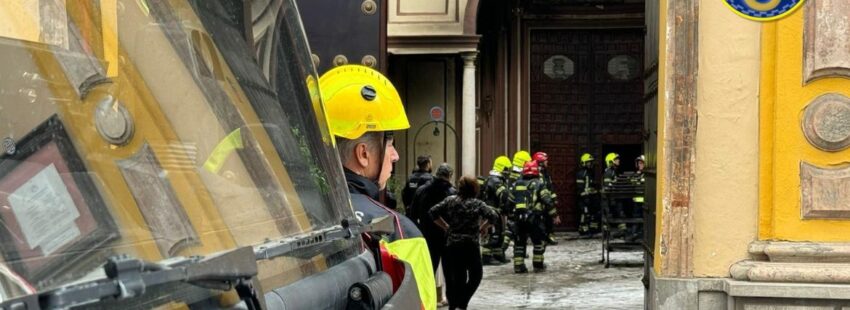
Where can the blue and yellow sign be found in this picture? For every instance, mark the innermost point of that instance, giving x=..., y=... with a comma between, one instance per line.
x=763, y=10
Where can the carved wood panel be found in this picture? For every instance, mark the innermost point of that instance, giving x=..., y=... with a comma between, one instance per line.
x=827, y=45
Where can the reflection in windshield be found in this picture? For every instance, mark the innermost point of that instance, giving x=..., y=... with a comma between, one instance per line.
x=147, y=128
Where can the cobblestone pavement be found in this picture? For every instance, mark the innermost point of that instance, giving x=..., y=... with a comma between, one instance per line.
x=574, y=280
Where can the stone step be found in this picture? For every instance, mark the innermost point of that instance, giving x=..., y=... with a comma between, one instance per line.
x=798, y=272
x=804, y=252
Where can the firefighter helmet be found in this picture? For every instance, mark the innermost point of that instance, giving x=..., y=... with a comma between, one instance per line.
x=540, y=157
x=609, y=159
x=585, y=158
x=501, y=163
x=531, y=168
x=520, y=158
x=641, y=158
x=358, y=99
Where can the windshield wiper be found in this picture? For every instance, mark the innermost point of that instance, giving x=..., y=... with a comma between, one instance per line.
x=300, y=244
x=128, y=277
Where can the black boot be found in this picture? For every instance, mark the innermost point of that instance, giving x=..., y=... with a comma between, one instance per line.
x=488, y=260
x=551, y=240
x=520, y=269
x=539, y=267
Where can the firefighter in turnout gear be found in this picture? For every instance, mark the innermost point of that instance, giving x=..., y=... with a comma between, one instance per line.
x=519, y=160
x=542, y=160
x=495, y=192
x=589, y=199
x=531, y=201
x=615, y=206
x=637, y=202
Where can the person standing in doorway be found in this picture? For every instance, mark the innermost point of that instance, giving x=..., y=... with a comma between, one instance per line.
x=419, y=177
x=464, y=218
x=589, y=199
x=614, y=206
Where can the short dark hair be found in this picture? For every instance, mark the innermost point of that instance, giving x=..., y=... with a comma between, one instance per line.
x=467, y=187
x=422, y=161
x=445, y=171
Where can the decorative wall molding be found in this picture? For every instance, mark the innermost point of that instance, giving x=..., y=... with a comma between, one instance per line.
x=826, y=123
x=826, y=51
x=164, y=214
x=795, y=262
x=825, y=192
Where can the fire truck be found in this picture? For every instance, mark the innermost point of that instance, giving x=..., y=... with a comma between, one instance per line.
x=174, y=154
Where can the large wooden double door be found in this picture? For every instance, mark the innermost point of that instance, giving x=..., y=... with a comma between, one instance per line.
x=586, y=91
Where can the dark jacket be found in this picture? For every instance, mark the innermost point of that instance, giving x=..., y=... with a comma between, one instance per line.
x=464, y=218
x=426, y=197
x=364, y=199
x=414, y=182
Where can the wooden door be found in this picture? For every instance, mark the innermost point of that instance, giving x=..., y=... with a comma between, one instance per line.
x=586, y=91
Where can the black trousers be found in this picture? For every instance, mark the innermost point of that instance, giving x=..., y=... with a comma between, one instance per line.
x=530, y=226
x=463, y=270
x=589, y=206
x=436, y=246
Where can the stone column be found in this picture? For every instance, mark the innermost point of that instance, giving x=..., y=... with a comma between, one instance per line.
x=468, y=130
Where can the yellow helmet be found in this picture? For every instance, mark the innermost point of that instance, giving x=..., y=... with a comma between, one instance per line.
x=358, y=99
x=609, y=159
x=520, y=158
x=501, y=163
x=586, y=157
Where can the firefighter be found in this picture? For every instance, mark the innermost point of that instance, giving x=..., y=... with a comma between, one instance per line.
x=531, y=200
x=542, y=160
x=519, y=160
x=420, y=176
x=363, y=108
x=589, y=199
x=495, y=193
x=615, y=206
x=637, y=201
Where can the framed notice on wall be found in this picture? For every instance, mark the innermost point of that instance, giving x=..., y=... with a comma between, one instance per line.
x=52, y=214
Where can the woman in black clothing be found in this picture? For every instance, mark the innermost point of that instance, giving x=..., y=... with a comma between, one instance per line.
x=463, y=217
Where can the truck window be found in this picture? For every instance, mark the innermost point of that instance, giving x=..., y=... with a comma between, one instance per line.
x=149, y=128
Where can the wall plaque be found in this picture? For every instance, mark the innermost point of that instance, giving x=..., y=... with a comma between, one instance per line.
x=825, y=192
x=826, y=123
x=55, y=220
x=826, y=51
x=559, y=67
x=167, y=220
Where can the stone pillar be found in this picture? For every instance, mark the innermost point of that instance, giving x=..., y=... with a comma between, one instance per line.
x=468, y=130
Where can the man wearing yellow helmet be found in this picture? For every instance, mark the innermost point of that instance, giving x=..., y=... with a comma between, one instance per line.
x=363, y=108
x=588, y=197
x=520, y=158
x=615, y=206
x=495, y=192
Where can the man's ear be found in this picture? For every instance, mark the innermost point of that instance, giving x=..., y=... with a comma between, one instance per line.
x=361, y=153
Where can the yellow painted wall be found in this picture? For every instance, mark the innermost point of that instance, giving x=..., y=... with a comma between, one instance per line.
x=662, y=100
x=725, y=201
x=783, y=102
